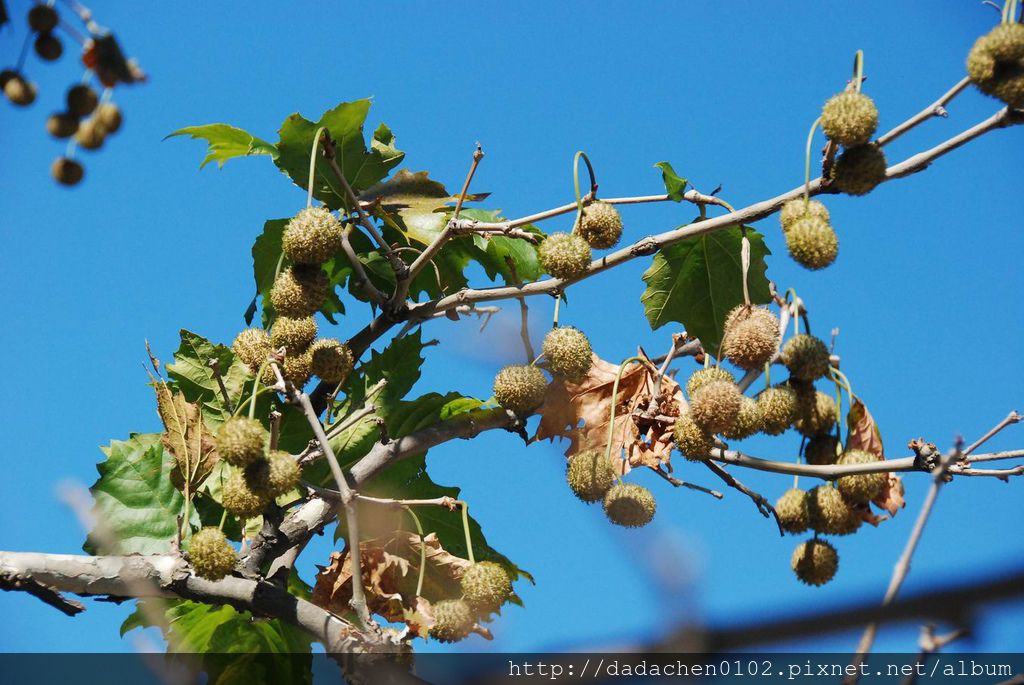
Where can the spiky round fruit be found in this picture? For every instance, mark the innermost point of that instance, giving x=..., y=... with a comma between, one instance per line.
x=795, y=209
x=295, y=335
x=794, y=515
x=812, y=243
x=82, y=100
x=751, y=336
x=62, y=125
x=748, y=420
x=715, y=405
x=806, y=357
x=211, y=555
x=564, y=255
x=42, y=18
x=601, y=225
x=332, y=360
x=859, y=169
x=849, y=118
x=996, y=63
x=567, y=352
x=629, y=505
x=299, y=291
x=704, y=376
x=20, y=91
x=275, y=476
x=829, y=512
x=109, y=116
x=240, y=498
x=252, y=346
x=485, y=587
x=313, y=236
x=863, y=487
x=821, y=450
x=66, y=171
x=778, y=407
x=298, y=368
x=693, y=442
x=816, y=413
x=453, y=619
x=240, y=440
x=590, y=475
x=520, y=388
x=815, y=562
x=90, y=135
x=48, y=47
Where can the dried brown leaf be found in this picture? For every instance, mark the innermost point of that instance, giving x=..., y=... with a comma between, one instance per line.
x=863, y=433
x=185, y=436
x=891, y=499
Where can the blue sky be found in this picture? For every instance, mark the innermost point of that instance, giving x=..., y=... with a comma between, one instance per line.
x=925, y=292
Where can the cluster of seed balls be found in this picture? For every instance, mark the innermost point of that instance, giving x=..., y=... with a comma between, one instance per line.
x=568, y=255
x=85, y=117
x=486, y=585
x=996, y=63
x=311, y=238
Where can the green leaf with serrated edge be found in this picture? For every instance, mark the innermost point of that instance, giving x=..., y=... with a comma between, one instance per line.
x=362, y=167
x=191, y=375
x=675, y=186
x=697, y=281
x=136, y=503
x=226, y=142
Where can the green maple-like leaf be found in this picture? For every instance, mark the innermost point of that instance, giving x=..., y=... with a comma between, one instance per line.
x=226, y=142
x=136, y=502
x=698, y=280
x=675, y=185
x=190, y=374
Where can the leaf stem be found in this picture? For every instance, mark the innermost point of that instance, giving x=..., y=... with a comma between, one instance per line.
x=807, y=162
x=465, y=529
x=312, y=164
x=576, y=184
x=423, y=550
x=615, y=397
x=858, y=70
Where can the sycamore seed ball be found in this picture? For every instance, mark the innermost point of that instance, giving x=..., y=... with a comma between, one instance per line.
x=794, y=515
x=751, y=336
x=778, y=407
x=109, y=117
x=332, y=360
x=298, y=368
x=821, y=450
x=520, y=388
x=849, y=118
x=564, y=255
x=90, y=135
x=748, y=420
x=62, y=125
x=795, y=209
x=252, y=346
x=568, y=352
x=66, y=171
x=48, y=47
x=629, y=505
x=486, y=586
x=693, y=442
x=812, y=243
x=806, y=357
x=704, y=376
x=453, y=619
x=601, y=225
x=815, y=562
x=859, y=169
x=829, y=512
x=240, y=440
x=241, y=499
x=295, y=335
x=590, y=475
x=996, y=63
x=816, y=413
x=864, y=487
x=20, y=91
x=313, y=236
x=42, y=18
x=715, y=405
x=211, y=555
x=275, y=476
x=299, y=291
x=81, y=100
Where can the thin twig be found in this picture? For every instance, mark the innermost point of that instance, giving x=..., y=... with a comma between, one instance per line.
x=524, y=329
x=683, y=484
x=1011, y=418
x=762, y=504
x=214, y=365
x=936, y=109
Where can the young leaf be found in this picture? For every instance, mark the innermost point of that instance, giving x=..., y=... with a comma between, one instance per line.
x=136, y=502
x=191, y=375
x=675, y=186
x=697, y=281
x=226, y=142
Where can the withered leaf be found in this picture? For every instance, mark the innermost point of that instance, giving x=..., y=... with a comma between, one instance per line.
x=863, y=433
x=891, y=499
x=185, y=436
